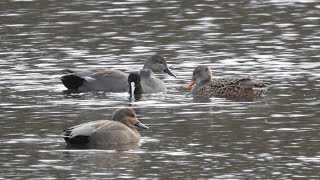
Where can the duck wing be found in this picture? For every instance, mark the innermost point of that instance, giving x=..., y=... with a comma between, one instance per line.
x=85, y=129
x=96, y=80
x=242, y=82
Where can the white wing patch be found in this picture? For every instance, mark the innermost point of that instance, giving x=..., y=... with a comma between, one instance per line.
x=85, y=129
x=89, y=78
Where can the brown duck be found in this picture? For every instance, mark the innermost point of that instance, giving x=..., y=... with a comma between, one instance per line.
x=202, y=84
x=118, y=131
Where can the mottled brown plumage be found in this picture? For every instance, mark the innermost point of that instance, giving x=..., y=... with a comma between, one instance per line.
x=233, y=87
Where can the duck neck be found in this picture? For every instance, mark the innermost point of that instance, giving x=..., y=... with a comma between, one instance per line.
x=138, y=89
x=203, y=82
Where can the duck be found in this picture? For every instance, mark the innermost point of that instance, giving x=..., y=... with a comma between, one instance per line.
x=145, y=82
x=109, y=80
x=118, y=131
x=202, y=84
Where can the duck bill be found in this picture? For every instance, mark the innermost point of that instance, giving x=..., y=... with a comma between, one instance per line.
x=167, y=70
x=140, y=125
x=190, y=85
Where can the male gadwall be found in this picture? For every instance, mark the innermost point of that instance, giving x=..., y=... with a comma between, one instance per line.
x=232, y=87
x=109, y=80
x=118, y=131
x=145, y=82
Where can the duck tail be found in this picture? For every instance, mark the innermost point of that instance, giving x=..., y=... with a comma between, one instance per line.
x=72, y=82
x=266, y=85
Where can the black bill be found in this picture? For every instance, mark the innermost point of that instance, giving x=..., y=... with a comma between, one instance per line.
x=167, y=70
x=139, y=124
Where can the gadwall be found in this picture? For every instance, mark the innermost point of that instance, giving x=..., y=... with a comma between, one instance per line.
x=109, y=80
x=232, y=87
x=145, y=82
x=118, y=131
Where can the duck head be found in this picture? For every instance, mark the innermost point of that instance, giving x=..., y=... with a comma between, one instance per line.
x=201, y=75
x=128, y=117
x=134, y=78
x=157, y=63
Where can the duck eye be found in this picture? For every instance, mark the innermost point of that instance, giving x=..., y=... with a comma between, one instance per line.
x=132, y=115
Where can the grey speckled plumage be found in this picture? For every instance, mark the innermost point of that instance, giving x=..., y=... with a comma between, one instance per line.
x=150, y=83
x=202, y=84
x=109, y=80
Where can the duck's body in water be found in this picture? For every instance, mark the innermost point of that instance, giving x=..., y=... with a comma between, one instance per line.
x=108, y=80
x=202, y=84
x=118, y=131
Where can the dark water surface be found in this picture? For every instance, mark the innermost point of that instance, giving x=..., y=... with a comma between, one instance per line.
x=276, y=137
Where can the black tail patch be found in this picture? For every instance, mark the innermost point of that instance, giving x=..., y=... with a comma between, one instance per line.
x=78, y=140
x=72, y=82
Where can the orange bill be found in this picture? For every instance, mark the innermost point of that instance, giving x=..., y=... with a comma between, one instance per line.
x=189, y=86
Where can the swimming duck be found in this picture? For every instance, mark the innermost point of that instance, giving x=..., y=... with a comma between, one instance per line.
x=109, y=80
x=118, y=131
x=202, y=84
x=145, y=82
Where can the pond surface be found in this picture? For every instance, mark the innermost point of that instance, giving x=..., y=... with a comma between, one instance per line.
x=276, y=137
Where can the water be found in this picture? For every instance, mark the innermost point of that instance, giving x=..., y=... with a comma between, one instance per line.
x=276, y=137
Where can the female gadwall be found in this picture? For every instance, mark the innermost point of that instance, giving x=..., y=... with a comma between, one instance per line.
x=118, y=131
x=109, y=80
x=145, y=82
x=233, y=87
